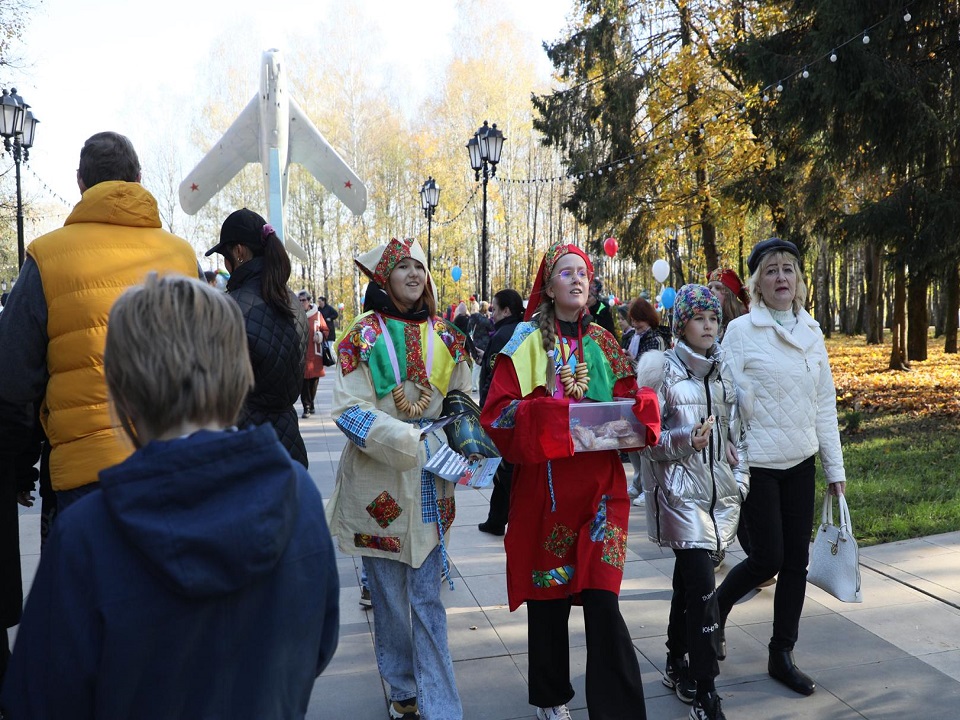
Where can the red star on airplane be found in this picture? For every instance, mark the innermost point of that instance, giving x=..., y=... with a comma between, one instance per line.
x=348, y=184
x=194, y=187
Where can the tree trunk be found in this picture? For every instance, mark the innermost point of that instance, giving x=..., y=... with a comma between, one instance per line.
x=951, y=309
x=822, y=288
x=873, y=307
x=844, y=294
x=898, y=327
x=918, y=317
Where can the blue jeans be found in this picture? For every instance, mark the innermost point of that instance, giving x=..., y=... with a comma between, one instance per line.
x=410, y=634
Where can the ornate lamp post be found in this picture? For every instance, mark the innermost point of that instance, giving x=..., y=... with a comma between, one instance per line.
x=429, y=197
x=484, y=148
x=18, y=127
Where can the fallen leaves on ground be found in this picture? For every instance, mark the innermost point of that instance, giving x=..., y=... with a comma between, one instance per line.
x=864, y=384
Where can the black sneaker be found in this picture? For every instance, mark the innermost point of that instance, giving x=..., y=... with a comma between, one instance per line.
x=707, y=708
x=366, y=602
x=676, y=676
x=717, y=557
x=404, y=710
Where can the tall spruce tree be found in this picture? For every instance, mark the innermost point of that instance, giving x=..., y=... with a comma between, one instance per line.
x=882, y=117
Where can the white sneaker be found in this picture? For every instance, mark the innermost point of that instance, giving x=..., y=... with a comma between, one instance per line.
x=639, y=501
x=559, y=712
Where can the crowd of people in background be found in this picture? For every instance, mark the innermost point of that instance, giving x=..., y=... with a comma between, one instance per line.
x=174, y=478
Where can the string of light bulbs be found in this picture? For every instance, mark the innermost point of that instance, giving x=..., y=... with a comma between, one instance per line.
x=467, y=204
x=739, y=106
x=49, y=190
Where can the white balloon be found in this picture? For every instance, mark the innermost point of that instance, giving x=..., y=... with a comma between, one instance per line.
x=661, y=270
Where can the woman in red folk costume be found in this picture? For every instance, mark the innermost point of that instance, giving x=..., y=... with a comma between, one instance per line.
x=567, y=533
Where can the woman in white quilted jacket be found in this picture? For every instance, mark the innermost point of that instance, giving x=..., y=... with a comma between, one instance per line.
x=777, y=351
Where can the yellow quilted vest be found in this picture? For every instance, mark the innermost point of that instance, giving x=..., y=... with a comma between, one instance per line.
x=111, y=240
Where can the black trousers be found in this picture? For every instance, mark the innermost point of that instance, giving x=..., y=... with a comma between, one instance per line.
x=308, y=392
x=694, y=625
x=779, y=517
x=614, y=687
x=500, y=497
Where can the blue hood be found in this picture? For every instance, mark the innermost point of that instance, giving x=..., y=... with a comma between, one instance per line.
x=185, y=504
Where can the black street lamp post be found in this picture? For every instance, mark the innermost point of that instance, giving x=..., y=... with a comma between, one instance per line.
x=484, y=148
x=18, y=128
x=429, y=197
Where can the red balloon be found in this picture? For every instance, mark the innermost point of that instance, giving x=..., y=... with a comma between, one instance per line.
x=610, y=246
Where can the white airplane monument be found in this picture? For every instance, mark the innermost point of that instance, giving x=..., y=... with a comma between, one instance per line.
x=274, y=131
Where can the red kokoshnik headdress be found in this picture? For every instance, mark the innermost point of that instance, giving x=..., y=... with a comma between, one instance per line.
x=730, y=278
x=549, y=262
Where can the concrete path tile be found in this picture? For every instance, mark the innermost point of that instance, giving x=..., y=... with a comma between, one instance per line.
x=471, y=636
x=895, y=689
x=490, y=591
x=900, y=552
x=492, y=689
x=767, y=699
x=357, y=696
x=921, y=628
x=355, y=651
x=820, y=650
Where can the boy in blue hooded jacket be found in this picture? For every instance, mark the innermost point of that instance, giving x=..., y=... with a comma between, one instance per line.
x=199, y=580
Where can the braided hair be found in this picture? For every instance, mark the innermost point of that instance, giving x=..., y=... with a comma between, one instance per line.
x=546, y=321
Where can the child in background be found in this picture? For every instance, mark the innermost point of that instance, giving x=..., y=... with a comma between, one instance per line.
x=699, y=479
x=199, y=580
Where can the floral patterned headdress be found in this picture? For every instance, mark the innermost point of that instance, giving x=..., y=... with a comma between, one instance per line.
x=549, y=262
x=377, y=264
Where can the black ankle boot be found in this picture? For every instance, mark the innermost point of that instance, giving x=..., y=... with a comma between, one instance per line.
x=781, y=667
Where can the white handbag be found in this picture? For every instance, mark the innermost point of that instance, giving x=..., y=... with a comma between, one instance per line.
x=835, y=557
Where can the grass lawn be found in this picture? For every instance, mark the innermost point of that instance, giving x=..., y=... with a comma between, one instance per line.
x=901, y=441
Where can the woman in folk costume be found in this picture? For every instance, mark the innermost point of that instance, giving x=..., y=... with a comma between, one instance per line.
x=396, y=362
x=313, y=370
x=568, y=518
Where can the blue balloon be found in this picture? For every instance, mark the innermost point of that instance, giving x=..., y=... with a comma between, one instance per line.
x=455, y=273
x=668, y=297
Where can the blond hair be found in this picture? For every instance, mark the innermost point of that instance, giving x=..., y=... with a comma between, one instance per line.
x=176, y=351
x=753, y=283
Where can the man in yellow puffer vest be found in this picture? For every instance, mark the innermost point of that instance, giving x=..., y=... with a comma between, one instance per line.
x=53, y=328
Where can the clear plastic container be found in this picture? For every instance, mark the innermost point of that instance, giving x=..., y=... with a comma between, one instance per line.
x=605, y=426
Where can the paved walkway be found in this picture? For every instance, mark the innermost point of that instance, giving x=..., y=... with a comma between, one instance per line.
x=896, y=655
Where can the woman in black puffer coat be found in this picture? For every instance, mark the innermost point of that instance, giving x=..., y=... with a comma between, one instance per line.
x=276, y=326
x=507, y=308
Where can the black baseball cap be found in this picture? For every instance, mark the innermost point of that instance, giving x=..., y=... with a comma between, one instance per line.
x=242, y=227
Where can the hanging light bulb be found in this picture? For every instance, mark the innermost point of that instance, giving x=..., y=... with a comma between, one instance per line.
x=833, y=56
x=600, y=172
x=766, y=98
x=805, y=73
x=907, y=17
x=866, y=38
x=779, y=87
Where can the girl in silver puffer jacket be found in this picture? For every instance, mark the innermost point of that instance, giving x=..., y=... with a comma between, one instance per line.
x=697, y=480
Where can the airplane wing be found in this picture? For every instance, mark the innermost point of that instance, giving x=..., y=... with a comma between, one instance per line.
x=310, y=149
x=239, y=145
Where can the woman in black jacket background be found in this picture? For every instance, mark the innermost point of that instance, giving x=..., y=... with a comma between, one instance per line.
x=276, y=326
x=507, y=309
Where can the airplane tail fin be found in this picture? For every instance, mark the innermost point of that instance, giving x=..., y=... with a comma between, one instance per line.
x=275, y=203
